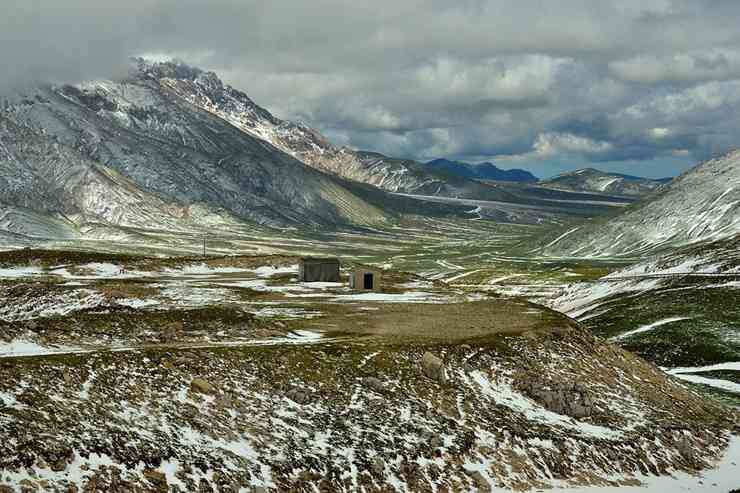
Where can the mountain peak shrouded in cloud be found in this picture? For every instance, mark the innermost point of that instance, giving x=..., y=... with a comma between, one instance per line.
x=651, y=84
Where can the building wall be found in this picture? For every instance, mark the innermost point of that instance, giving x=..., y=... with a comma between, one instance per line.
x=357, y=279
x=319, y=272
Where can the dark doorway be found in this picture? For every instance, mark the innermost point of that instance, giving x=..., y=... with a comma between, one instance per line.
x=367, y=281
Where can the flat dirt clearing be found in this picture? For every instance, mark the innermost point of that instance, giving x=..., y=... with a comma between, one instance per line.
x=447, y=322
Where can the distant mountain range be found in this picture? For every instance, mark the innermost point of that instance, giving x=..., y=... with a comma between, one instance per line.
x=593, y=180
x=701, y=205
x=481, y=171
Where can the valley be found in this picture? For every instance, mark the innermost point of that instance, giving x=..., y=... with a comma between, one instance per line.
x=225, y=370
x=572, y=334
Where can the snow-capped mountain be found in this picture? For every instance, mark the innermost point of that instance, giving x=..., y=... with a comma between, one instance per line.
x=51, y=190
x=593, y=180
x=135, y=153
x=702, y=204
x=206, y=91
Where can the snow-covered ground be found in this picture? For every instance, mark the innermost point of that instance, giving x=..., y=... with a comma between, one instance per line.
x=688, y=374
x=723, y=478
x=579, y=298
x=648, y=327
x=21, y=348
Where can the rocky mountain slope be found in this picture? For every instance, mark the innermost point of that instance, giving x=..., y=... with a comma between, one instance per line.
x=206, y=91
x=170, y=147
x=593, y=180
x=132, y=153
x=703, y=204
x=52, y=190
x=481, y=171
x=678, y=310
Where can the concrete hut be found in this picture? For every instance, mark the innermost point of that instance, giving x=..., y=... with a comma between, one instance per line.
x=365, y=279
x=319, y=270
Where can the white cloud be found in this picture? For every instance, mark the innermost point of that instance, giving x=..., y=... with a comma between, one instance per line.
x=659, y=133
x=552, y=144
x=692, y=102
x=500, y=79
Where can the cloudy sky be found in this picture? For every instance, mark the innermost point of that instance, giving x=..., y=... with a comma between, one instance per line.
x=646, y=87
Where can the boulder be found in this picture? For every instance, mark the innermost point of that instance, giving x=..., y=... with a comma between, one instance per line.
x=481, y=483
x=157, y=478
x=433, y=367
x=685, y=448
x=375, y=384
x=298, y=396
x=436, y=442
x=202, y=386
x=563, y=398
x=378, y=466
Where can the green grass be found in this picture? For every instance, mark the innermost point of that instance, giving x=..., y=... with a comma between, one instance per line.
x=730, y=399
x=711, y=335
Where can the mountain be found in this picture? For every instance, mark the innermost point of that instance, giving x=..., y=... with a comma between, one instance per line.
x=134, y=153
x=703, y=204
x=204, y=90
x=481, y=171
x=593, y=180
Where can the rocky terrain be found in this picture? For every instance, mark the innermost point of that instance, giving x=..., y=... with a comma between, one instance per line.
x=226, y=374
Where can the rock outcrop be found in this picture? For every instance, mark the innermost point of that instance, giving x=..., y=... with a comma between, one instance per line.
x=569, y=399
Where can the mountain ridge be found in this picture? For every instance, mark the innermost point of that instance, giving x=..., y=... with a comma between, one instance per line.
x=481, y=171
x=127, y=153
x=594, y=180
x=702, y=204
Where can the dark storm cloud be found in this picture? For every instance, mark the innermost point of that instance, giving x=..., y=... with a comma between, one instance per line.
x=528, y=82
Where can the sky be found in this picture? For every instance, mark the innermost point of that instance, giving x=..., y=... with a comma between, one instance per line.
x=646, y=87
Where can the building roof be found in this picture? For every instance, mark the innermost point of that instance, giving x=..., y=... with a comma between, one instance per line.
x=319, y=260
